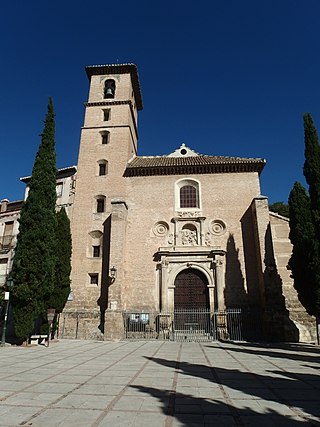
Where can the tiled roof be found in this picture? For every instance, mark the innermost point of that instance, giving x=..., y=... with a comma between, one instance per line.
x=13, y=206
x=94, y=70
x=61, y=173
x=142, y=166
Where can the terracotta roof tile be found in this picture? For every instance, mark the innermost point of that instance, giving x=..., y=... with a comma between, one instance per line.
x=164, y=165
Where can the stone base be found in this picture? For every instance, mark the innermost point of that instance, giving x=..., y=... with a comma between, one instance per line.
x=278, y=327
x=84, y=324
x=288, y=327
x=114, y=326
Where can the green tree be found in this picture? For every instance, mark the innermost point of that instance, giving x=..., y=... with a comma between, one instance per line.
x=311, y=171
x=311, y=168
x=34, y=263
x=302, y=236
x=281, y=208
x=62, y=289
x=305, y=226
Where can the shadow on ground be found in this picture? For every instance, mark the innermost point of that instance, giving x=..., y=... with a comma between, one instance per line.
x=298, y=352
x=262, y=400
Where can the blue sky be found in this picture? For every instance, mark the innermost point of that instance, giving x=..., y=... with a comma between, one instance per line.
x=228, y=77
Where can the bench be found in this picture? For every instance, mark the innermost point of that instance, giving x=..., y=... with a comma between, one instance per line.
x=41, y=339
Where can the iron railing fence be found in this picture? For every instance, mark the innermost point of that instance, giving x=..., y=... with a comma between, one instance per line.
x=235, y=324
x=194, y=325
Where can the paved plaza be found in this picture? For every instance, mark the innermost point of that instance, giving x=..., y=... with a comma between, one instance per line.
x=93, y=383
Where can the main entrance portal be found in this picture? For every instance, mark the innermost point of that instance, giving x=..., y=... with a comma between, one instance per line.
x=191, y=291
x=191, y=306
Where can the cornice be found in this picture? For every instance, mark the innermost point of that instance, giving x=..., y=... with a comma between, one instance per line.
x=194, y=169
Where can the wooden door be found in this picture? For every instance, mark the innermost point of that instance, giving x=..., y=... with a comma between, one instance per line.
x=191, y=290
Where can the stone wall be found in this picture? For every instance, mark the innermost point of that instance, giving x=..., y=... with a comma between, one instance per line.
x=304, y=323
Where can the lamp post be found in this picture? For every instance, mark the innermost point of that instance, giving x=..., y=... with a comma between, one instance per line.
x=113, y=273
x=7, y=299
x=50, y=316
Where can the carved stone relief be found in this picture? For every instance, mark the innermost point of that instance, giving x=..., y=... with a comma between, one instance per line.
x=189, y=235
x=208, y=239
x=188, y=214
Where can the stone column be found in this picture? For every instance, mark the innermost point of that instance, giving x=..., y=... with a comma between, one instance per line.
x=202, y=236
x=114, y=321
x=261, y=221
x=164, y=285
x=211, y=298
x=220, y=282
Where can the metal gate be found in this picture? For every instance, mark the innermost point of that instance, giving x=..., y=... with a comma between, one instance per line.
x=193, y=325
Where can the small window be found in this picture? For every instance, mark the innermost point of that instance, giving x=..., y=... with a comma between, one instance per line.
x=109, y=88
x=7, y=238
x=59, y=189
x=94, y=278
x=8, y=228
x=96, y=251
x=3, y=270
x=104, y=137
x=106, y=114
x=100, y=205
x=188, y=197
x=102, y=168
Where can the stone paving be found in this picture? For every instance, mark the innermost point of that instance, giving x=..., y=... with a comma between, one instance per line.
x=91, y=383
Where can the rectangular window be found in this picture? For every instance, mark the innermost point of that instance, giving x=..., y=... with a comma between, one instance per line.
x=102, y=169
x=96, y=251
x=188, y=197
x=7, y=238
x=3, y=271
x=59, y=189
x=105, y=138
x=94, y=278
x=106, y=114
x=8, y=228
x=100, y=205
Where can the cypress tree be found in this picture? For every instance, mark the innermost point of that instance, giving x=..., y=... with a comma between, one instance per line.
x=33, y=269
x=305, y=226
x=62, y=289
x=311, y=169
x=302, y=236
x=311, y=172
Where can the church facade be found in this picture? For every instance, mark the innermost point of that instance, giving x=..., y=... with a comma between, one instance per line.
x=156, y=234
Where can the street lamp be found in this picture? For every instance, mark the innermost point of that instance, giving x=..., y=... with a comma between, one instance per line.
x=6, y=298
x=113, y=273
x=50, y=316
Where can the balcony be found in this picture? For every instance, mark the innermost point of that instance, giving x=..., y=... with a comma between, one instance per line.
x=6, y=243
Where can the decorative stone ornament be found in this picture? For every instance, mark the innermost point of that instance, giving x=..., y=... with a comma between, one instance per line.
x=217, y=227
x=161, y=229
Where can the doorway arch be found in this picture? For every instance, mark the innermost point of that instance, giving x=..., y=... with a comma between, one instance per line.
x=191, y=290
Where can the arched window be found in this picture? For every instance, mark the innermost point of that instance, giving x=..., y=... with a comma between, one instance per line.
x=189, y=197
x=95, y=244
x=109, y=88
x=187, y=194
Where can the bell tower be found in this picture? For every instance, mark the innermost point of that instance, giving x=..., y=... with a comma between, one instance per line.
x=108, y=140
